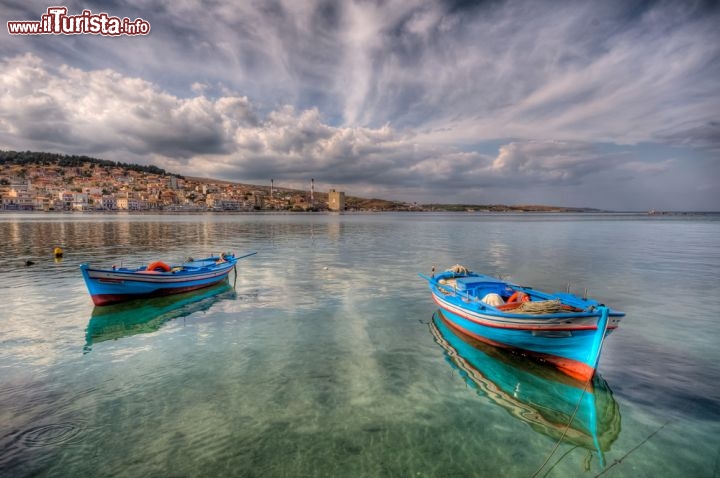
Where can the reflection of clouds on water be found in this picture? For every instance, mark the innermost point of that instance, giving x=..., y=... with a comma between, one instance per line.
x=37, y=321
x=498, y=254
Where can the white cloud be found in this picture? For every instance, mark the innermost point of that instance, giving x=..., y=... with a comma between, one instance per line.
x=101, y=111
x=647, y=168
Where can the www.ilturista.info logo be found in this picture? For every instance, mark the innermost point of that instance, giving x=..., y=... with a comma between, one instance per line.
x=57, y=22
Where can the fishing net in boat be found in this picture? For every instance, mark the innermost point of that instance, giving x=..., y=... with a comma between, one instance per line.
x=540, y=307
x=458, y=269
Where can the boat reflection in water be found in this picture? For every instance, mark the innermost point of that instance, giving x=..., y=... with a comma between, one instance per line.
x=148, y=315
x=584, y=414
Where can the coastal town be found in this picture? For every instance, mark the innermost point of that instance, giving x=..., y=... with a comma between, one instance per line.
x=39, y=181
x=48, y=182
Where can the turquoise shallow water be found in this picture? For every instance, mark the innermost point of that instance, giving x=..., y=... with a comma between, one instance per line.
x=321, y=357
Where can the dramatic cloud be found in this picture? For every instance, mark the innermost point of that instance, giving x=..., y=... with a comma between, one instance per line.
x=416, y=100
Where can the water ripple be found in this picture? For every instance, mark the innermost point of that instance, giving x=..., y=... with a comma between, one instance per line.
x=49, y=435
x=15, y=446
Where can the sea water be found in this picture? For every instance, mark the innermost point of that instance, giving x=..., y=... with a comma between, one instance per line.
x=320, y=357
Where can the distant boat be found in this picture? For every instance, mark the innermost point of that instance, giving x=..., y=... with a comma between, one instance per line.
x=118, y=284
x=148, y=315
x=559, y=328
x=584, y=414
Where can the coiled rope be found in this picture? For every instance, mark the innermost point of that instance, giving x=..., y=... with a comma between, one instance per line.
x=539, y=307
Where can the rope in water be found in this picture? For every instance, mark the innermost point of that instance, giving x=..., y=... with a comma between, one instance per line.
x=619, y=460
x=616, y=462
x=567, y=427
x=604, y=315
x=570, y=450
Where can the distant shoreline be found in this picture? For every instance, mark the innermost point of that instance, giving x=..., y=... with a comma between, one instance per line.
x=51, y=182
x=353, y=212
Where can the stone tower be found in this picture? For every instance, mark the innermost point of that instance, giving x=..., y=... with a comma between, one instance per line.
x=336, y=200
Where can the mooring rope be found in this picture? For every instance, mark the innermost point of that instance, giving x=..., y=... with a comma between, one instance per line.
x=549, y=470
x=616, y=462
x=604, y=314
x=647, y=439
x=567, y=427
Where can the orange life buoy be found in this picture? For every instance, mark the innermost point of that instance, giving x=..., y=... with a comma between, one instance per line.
x=518, y=296
x=158, y=266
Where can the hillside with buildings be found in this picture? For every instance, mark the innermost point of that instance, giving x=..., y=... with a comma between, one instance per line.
x=37, y=181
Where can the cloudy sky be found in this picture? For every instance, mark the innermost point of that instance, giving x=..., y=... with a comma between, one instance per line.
x=606, y=104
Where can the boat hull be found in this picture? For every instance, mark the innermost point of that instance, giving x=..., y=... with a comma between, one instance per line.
x=112, y=286
x=114, y=298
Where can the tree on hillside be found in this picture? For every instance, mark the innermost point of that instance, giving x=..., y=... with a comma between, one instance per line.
x=64, y=160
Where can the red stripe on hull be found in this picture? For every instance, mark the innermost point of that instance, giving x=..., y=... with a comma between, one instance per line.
x=496, y=325
x=573, y=368
x=107, y=299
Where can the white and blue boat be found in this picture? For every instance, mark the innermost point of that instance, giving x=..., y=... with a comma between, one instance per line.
x=559, y=328
x=118, y=284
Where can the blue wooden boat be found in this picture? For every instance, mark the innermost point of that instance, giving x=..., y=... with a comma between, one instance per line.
x=141, y=316
x=118, y=284
x=560, y=328
x=584, y=414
